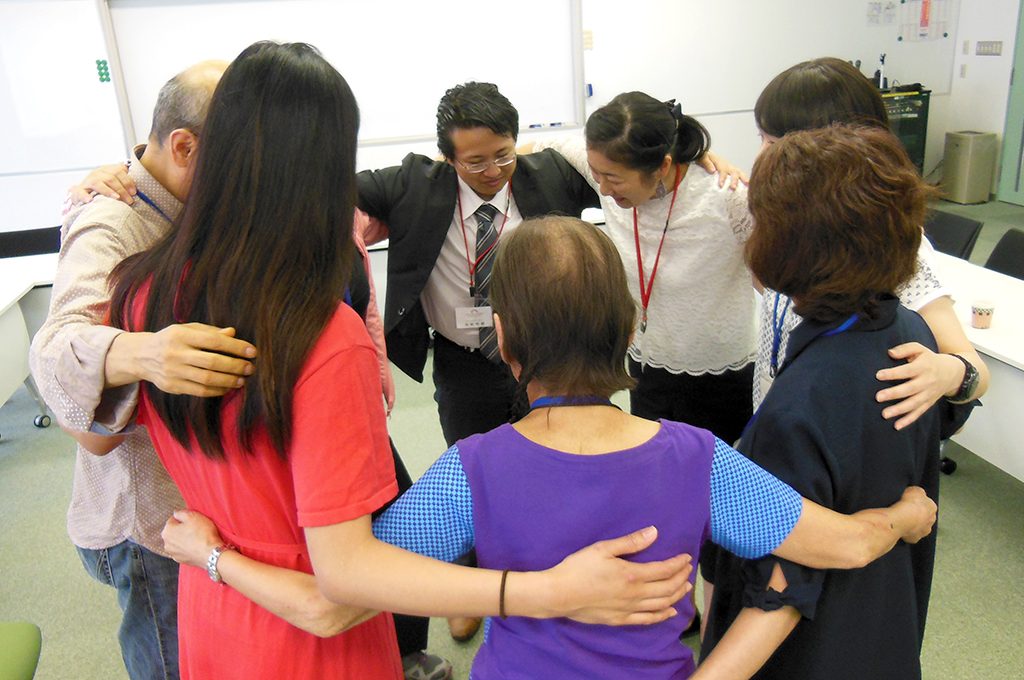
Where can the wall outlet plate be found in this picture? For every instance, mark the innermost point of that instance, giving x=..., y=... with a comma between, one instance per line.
x=989, y=48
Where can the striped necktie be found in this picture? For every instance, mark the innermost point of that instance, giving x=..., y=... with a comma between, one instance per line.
x=486, y=241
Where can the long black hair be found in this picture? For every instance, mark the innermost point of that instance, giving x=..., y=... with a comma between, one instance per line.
x=264, y=243
x=638, y=131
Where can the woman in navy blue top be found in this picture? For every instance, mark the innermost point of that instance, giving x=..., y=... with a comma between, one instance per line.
x=837, y=212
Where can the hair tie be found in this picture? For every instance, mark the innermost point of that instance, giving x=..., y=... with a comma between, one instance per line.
x=676, y=110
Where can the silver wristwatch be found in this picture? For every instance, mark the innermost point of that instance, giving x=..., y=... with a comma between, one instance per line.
x=213, y=559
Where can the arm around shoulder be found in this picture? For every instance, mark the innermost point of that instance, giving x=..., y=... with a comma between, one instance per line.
x=928, y=376
x=69, y=350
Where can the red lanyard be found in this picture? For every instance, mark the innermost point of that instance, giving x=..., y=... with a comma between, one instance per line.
x=645, y=290
x=470, y=263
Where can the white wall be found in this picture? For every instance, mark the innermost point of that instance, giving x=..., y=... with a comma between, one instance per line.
x=981, y=84
x=977, y=101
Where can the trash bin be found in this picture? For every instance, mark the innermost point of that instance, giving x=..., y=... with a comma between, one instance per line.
x=968, y=166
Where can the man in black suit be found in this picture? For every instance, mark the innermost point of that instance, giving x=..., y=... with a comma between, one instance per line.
x=444, y=220
x=430, y=209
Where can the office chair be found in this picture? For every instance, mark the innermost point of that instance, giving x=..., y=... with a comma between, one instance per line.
x=952, y=234
x=1008, y=255
x=20, y=644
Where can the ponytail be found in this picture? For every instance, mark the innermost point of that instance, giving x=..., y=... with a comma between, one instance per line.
x=692, y=139
x=633, y=129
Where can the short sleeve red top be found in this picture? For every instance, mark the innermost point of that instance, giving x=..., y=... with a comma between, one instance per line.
x=338, y=468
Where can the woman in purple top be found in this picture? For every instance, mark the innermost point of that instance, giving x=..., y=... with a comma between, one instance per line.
x=577, y=469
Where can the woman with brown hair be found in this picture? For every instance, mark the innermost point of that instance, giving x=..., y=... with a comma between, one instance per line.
x=838, y=213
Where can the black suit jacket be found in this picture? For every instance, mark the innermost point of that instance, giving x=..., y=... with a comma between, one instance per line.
x=417, y=201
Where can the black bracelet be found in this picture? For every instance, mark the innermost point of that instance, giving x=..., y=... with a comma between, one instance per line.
x=969, y=384
x=501, y=595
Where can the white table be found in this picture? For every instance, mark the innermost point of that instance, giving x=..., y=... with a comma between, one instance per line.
x=19, y=276
x=996, y=430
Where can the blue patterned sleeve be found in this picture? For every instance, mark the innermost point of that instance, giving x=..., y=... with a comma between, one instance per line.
x=752, y=512
x=435, y=516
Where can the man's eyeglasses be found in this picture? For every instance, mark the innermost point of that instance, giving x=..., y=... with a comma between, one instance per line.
x=476, y=168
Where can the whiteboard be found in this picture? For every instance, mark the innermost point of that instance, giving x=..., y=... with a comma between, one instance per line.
x=398, y=56
x=55, y=112
x=58, y=118
x=716, y=57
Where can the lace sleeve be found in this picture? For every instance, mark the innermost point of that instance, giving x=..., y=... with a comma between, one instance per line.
x=739, y=213
x=924, y=286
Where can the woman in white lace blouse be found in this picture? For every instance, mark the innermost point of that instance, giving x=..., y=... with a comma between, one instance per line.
x=681, y=239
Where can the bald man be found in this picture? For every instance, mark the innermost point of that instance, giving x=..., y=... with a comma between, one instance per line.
x=120, y=502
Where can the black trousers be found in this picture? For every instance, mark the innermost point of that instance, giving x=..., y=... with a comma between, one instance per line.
x=720, y=403
x=473, y=393
x=411, y=631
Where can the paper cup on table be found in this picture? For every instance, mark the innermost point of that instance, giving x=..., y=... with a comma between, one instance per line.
x=981, y=314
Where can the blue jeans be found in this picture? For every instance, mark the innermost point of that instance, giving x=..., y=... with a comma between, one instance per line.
x=147, y=592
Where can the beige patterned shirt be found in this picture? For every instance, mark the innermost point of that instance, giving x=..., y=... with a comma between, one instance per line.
x=126, y=494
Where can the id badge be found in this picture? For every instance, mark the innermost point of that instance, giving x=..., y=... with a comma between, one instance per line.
x=468, y=316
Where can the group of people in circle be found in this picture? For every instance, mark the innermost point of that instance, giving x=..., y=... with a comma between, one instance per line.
x=798, y=461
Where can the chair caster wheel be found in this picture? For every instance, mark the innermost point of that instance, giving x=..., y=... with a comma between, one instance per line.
x=947, y=466
x=41, y=421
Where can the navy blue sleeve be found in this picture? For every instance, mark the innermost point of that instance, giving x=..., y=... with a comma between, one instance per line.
x=802, y=592
x=798, y=454
x=435, y=516
x=752, y=511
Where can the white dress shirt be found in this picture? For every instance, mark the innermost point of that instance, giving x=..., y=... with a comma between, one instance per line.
x=448, y=285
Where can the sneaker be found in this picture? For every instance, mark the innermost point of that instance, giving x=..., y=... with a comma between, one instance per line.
x=423, y=666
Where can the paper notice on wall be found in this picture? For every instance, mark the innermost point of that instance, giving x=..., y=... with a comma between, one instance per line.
x=881, y=13
x=924, y=19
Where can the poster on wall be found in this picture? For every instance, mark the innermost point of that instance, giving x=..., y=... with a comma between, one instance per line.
x=922, y=20
x=882, y=13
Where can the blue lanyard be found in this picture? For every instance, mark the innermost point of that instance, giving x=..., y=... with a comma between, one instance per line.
x=548, y=402
x=841, y=328
x=777, y=323
x=149, y=201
